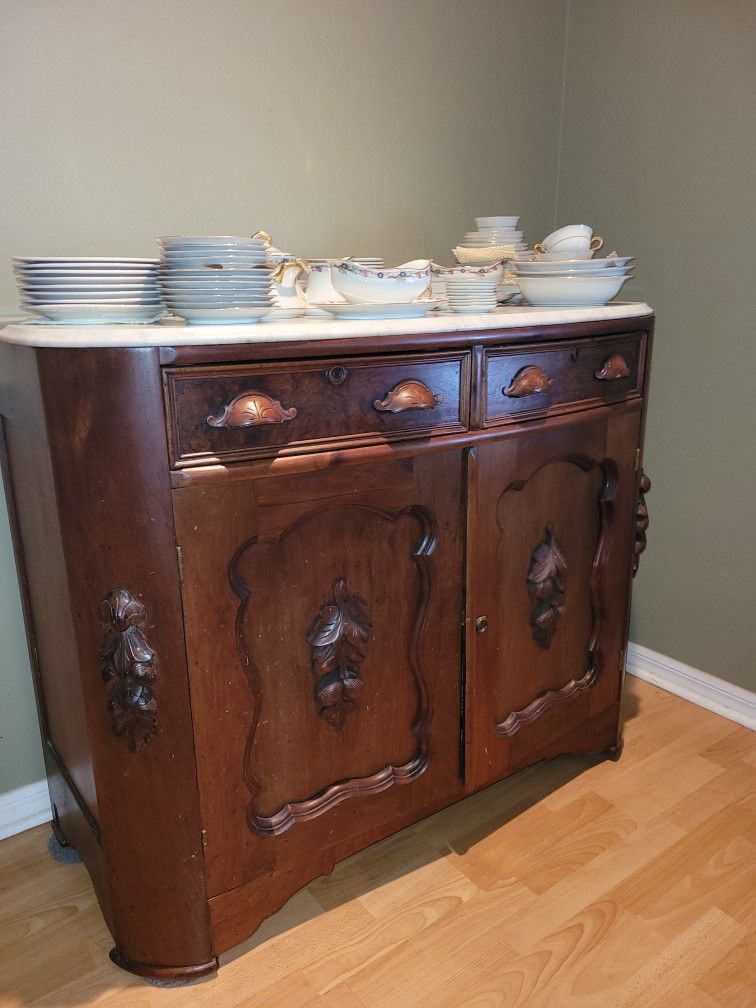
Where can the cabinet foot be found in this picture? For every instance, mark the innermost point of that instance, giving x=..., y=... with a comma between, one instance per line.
x=61, y=851
x=615, y=751
x=166, y=976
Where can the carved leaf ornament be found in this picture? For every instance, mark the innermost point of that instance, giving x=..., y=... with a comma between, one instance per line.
x=339, y=639
x=127, y=664
x=546, y=586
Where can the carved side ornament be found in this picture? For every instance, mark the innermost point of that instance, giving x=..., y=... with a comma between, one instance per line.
x=339, y=639
x=546, y=587
x=128, y=665
x=641, y=520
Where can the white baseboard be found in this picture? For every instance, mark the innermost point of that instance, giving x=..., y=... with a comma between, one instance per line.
x=23, y=808
x=692, y=684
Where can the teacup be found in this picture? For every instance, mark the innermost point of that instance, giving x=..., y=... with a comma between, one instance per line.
x=576, y=239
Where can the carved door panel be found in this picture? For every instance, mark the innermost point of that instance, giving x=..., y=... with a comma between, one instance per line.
x=550, y=549
x=323, y=614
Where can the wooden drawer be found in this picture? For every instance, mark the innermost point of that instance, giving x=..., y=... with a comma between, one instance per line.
x=247, y=411
x=554, y=377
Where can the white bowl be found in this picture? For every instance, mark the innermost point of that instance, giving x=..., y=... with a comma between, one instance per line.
x=550, y=290
x=363, y=285
x=497, y=222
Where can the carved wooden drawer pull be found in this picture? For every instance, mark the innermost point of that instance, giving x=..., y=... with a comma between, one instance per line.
x=528, y=381
x=409, y=394
x=615, y=366
x=252, y=409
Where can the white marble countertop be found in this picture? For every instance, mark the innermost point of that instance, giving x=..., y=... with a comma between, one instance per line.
x=175, y=333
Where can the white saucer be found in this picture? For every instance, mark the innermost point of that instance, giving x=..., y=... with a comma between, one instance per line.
x=73, y=313
x=411, y=309
x=220, y=316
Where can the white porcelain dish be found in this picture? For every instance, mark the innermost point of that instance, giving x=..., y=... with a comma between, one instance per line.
x=523, y=270
x=223, y=282
x=98, y=262
x=221, y=316
x=208, y=241
x=542, y=265
x=88, y=283
x=246, y=272
x=497, y=222
x=472, y=309
x=78, y=298
x=189, y=259
x=569, y=291
x=362, y=285
x=384, y=310
x=239, y=302
x=86, y=313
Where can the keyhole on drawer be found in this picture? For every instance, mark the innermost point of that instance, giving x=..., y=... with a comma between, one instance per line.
x=575, y=353
x=336, y=375
x=481, y=624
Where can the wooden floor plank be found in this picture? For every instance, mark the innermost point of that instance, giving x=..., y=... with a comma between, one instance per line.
x=577, y=884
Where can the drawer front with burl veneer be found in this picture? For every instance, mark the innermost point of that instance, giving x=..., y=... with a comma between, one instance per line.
x=235, y=412
x=553, y=378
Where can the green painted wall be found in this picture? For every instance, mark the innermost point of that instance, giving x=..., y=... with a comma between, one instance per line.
x=20, y=747
x=659, y=153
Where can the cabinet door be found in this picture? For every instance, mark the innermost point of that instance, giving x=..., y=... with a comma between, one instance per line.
x=324, y=624
x=551, y=532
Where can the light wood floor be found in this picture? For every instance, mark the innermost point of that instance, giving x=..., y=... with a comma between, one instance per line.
x=575, y=884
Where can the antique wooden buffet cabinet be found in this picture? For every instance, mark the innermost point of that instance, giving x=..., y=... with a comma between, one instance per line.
x=284, y=597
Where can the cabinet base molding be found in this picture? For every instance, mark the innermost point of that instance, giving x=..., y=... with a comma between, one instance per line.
x=175, y=975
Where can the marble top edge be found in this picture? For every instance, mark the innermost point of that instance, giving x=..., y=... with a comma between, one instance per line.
x=156, y=335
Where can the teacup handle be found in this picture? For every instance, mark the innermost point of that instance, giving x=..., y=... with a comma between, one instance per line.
x=262, y=234
x=600, y=241
x=539, y=248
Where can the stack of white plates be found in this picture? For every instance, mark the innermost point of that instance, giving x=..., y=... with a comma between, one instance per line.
x=493, y=238
x=573, y=281
x=90, y=289
x=208, y=280
x=470, y=294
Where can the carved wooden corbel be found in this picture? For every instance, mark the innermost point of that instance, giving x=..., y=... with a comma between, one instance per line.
x=546, y=586
x=641, y=520
x=128, y=665
x=339, y=639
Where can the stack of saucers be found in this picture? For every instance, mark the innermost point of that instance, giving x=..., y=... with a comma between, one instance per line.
x=93, y=289
x=471, y=294
x=573, y=281
x=212, y=281
x=493, y=240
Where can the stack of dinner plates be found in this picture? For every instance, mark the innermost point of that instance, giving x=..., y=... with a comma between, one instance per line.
x=470, y=294
x=494, y=239
x=93, y=289
x=568, y=282
x=211, y=281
